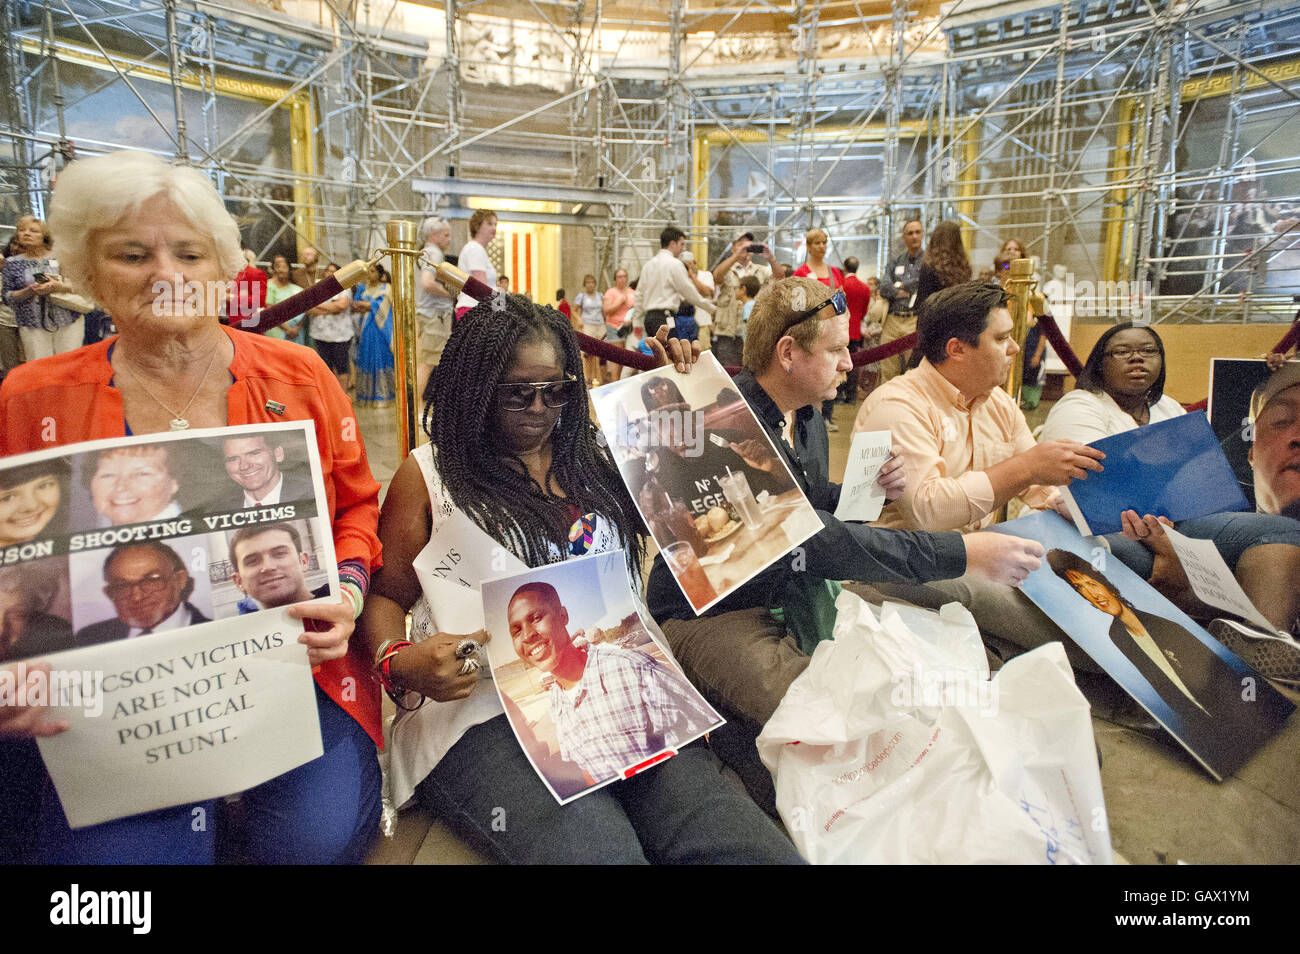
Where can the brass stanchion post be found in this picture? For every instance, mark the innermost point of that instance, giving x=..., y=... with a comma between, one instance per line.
x=404, y=250
x=1019, y=286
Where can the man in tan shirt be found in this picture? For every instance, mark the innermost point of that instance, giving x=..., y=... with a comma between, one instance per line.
x=967, y=450
x=967, y=445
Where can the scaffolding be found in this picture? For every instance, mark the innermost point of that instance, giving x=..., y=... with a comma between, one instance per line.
x=1148, y=148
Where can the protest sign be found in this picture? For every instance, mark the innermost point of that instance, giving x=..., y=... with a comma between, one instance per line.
x=1216, y=706
x=1210, y=578
x=717, y=496
x=589, y=688
x=861, y=497
x=153, y=574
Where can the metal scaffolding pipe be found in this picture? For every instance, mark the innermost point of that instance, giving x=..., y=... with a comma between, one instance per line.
x=174, y=69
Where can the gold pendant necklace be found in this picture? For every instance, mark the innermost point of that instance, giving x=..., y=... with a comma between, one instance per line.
x=178, y=421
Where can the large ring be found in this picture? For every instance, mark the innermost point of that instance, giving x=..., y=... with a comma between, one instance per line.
x=467, y=648
x=470, y=665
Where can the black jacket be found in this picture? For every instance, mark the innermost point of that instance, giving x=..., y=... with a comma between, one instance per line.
x=294, y=488
x=841, y=551
x=114, y=629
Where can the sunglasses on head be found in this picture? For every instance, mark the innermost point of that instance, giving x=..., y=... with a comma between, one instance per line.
x=837, y=301
x=519, y=395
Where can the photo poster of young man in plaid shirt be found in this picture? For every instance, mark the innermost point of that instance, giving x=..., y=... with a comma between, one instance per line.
x=590, y=688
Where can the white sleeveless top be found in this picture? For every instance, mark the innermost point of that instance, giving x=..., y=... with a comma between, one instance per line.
x=418, y=740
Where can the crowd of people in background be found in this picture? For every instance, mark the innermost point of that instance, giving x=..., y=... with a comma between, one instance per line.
x=353, y=332
x=40, y=314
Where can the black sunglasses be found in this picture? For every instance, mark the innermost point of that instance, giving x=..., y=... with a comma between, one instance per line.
x=519, y=396
x=838, y=301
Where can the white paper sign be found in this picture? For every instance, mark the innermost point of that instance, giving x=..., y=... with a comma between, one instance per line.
x=452, y=567
x=861, y=498
x=1211, y=580
x=160, y=595
x=180, y=717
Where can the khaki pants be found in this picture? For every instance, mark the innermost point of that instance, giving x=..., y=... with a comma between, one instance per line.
x=431, y=334
x=743, y=662
x=1009, y=621
x=11, y=348
x=39, y=343
x=896, y=326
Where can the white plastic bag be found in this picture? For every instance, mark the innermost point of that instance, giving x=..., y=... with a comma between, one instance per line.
x=894, y=746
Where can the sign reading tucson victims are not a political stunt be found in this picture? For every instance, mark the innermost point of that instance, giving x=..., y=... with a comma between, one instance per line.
x=153, y=574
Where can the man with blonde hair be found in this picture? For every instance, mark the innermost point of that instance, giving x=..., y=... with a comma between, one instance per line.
x=474, y=258
x=740, y=655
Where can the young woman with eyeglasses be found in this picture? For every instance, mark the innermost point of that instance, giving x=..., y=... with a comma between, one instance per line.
x=1121, y=387
x=515, y=465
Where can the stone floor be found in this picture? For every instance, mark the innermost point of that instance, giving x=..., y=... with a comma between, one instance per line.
x=1163, y=808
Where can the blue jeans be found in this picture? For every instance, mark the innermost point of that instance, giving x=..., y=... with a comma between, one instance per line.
x=685, y=327
x=1232, y=534
x=681, y=811
x=324, y=812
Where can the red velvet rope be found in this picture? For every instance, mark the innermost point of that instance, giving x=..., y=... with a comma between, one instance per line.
x=1062, y=347
x=630, y=357
x=277, y=314
x=328, y=287
x=1290, y=339
x=642, y=362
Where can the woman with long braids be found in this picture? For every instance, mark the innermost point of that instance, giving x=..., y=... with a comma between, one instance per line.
x=515, y=462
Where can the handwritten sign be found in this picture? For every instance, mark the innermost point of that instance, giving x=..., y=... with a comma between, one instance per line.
x=861, y=498
x=453, y=565
x=1211, y=580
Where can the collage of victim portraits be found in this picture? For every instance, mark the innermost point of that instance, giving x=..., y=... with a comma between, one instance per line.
x=127, y=537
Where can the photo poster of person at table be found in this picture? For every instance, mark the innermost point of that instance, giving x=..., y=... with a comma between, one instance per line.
x=153, y=574
x=590, y=689
x=718, y=498
x=1219, y=708
x=1232, y=383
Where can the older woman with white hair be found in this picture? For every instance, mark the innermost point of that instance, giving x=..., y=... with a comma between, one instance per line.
x=155, y=246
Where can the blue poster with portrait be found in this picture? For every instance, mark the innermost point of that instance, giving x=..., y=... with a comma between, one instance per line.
x=1215, y=705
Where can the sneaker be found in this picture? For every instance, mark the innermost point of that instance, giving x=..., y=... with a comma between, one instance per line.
x=1275, y=655
x=832, y=427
